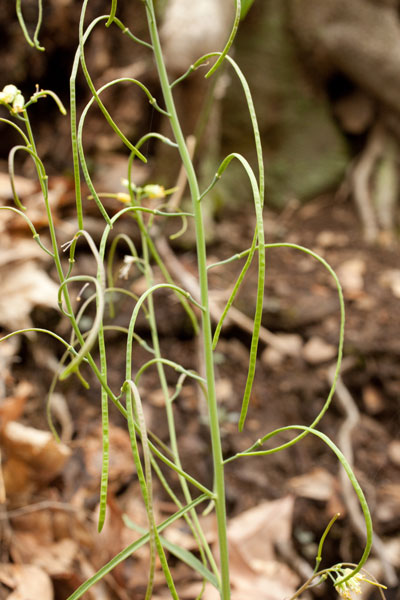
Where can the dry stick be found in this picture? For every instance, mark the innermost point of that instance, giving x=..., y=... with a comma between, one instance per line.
x=39, y=506
x=361, y=177
x=352, y=418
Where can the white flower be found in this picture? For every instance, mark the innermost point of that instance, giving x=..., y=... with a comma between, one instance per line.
x=9, y=93
x=18, y=103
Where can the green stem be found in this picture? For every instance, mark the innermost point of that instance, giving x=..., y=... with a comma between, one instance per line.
x=206, y=319
x=195, y=527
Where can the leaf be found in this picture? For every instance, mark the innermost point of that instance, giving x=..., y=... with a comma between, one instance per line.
x=33, y=457
x=27, y=582
x=255, y=571
x=24, y=286
x=319, y=484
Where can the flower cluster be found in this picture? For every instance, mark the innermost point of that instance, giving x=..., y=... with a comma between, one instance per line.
x=12, y=98
x=352, y=585
x=348, y=589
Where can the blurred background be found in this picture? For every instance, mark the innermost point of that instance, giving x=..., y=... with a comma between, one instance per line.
x=324, y=78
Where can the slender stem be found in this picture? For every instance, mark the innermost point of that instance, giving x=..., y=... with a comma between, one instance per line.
x=195, y=527
x=206, y=320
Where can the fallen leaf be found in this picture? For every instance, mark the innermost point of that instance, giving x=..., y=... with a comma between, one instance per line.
x=254, y=569
x=12, y=407
x=57, y=559
x=319, y=484
x=23, y=185
x=24, y=286
x=14, y=250
x=33, y=456
x=27, y=582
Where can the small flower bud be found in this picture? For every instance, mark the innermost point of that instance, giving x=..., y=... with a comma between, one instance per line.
x=154, y=191
x=123, y=197
x=18, y=103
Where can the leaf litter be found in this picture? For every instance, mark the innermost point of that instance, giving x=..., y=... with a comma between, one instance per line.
x=54, y=524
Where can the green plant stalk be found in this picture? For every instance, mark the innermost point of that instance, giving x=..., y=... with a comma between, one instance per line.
x=146, y=492
x=195, y=526
x=206, y=318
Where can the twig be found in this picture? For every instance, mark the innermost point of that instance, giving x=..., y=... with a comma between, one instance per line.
x=31, y=508
x=352, y=418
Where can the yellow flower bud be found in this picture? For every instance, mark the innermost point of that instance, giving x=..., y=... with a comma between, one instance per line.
x=154, y=191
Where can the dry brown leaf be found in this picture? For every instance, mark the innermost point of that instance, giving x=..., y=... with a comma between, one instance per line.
x=57, y=559
x=27, y=582
x=18, y=249
x=24, y=286
x=257, y=530
x=31, y=531
x=12, y=407
x=319, y=484
x=17, y=478
x=24, y=186
x=32, y=198
x=255, y=571
x=33, y=456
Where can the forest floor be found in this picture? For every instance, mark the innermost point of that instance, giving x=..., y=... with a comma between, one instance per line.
x=50, y=501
